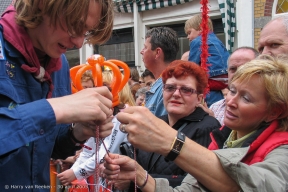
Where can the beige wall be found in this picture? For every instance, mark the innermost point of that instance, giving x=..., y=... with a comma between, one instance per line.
x=262, y=15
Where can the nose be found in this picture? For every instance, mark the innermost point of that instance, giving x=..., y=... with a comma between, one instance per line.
x=266, y=50
x=231, y=100
x=176, y=92
x=141, y=52
x=77, y=41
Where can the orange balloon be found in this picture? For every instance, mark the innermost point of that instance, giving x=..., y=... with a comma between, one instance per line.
x=79, y=75
x=95, y=62
x=126, y=74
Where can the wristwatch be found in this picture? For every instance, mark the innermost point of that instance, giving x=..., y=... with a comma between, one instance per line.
x=176, y=147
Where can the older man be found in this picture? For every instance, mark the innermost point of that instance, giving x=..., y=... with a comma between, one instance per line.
x=239, y=57
x=274, y=37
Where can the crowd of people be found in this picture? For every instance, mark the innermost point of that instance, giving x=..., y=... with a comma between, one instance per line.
x=183, y=128
x=248, y=151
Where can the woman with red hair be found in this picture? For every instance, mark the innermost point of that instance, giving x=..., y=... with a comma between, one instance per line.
x=184, y=85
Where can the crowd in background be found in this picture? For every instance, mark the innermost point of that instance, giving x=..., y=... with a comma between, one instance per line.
x=181, y=126
x=194, y=116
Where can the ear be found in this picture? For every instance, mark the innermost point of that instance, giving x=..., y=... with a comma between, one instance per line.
x=199, y=98
x=274, y=114
x=158, y=52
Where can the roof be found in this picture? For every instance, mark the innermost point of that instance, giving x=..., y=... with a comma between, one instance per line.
x=3, y=5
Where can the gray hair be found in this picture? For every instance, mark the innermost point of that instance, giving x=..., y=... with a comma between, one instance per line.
x=141, y=91
x=285, y=22
x=284, y=18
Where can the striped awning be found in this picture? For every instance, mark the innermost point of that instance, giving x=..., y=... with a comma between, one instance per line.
x=126, y=6
x=229, y=22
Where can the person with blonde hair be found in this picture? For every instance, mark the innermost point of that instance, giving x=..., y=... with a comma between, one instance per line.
x=249, y=153
x=216, y=61
x=193, y=27
x=36, y=106
x=87, y=80
x=126, y=96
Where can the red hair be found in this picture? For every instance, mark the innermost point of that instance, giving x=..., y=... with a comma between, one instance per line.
x=180, y=69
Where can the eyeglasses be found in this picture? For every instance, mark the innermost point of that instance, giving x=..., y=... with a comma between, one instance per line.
x=86, y=35
x=169, y=88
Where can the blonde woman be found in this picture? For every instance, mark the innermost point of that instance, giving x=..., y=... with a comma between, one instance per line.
x=126, y=96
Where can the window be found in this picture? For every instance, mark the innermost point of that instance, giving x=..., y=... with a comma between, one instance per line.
x=120, y=46
x=282, y=6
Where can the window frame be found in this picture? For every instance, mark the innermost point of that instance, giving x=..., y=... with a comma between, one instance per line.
x=274, y=14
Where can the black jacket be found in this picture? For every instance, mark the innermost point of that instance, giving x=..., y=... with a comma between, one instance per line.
x=198, y=128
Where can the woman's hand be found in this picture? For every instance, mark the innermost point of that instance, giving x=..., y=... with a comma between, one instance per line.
x=146, y=131
x=119, y=168
x=112, y=165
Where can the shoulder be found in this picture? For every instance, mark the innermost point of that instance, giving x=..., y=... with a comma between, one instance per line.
x=220, y=103
x=211, y=120
x=196, y=41
x=208, y=121
x=202, y=120
x=64, y=61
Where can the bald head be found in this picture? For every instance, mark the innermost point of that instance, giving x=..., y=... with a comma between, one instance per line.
x=239, y=57
x=185, y=56
x=274, y=37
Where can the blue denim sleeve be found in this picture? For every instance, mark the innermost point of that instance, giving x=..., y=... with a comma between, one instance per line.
x=21, y=124
x=160, y=108
x=195, y=51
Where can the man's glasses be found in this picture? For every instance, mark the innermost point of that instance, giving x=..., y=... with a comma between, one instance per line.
x=169, y=88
